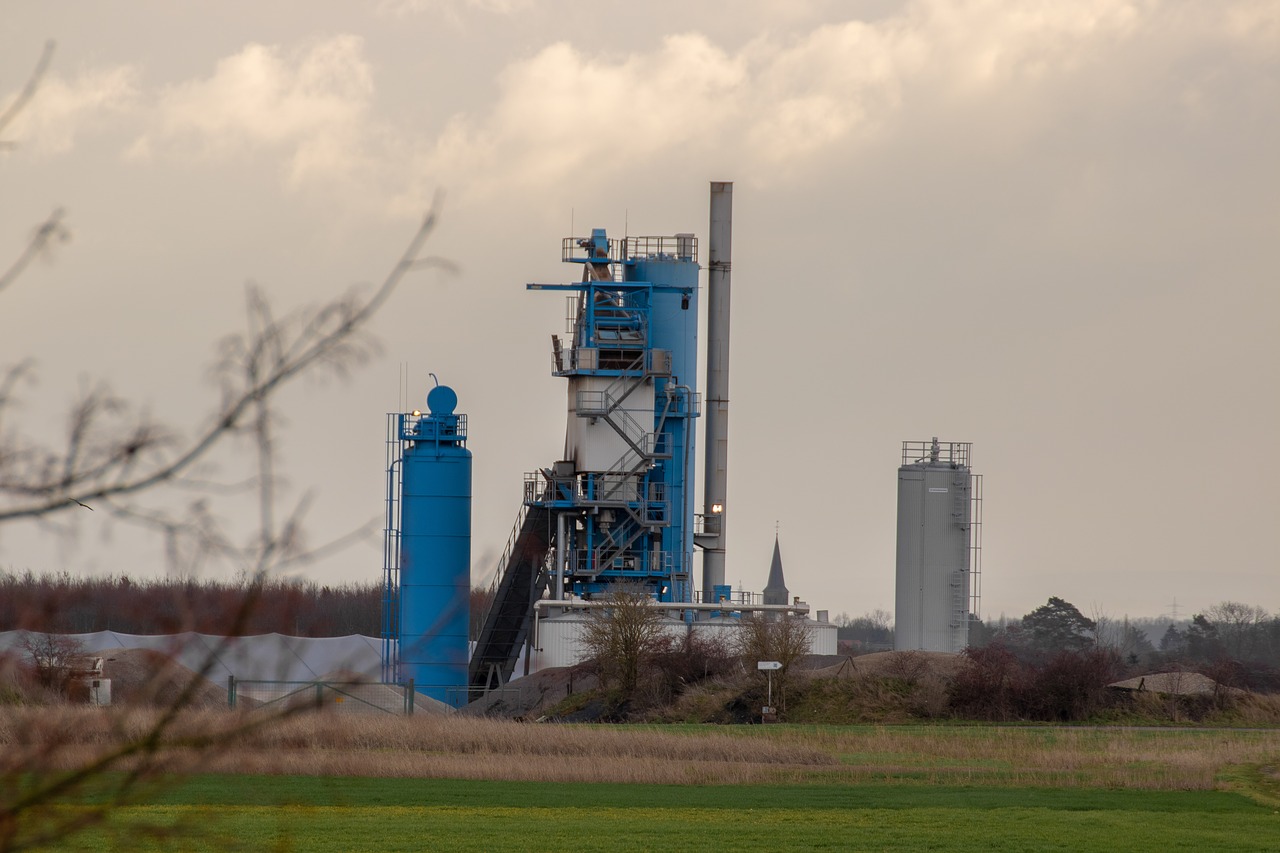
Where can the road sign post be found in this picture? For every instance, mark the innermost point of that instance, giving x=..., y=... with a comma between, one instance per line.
x=768, y=712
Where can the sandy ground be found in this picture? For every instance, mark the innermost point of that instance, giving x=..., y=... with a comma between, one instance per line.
x=529, y=697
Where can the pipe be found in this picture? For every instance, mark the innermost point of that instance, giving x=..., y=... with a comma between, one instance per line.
x=726, y=606
x=685, y=588
x=559, y=591
x=716, y=455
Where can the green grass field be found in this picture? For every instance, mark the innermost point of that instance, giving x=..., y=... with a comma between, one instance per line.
x=307, y=813
x=329, y=783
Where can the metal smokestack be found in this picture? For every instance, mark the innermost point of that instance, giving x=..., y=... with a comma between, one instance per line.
x=715, y=481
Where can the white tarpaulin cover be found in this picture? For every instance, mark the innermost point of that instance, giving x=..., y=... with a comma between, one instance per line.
x=265, y=657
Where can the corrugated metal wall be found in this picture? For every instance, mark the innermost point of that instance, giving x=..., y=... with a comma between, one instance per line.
x=934, y=506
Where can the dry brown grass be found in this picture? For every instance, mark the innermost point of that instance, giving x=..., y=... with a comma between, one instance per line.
x=421, y=746
x=1166, y=759
x=470, y=748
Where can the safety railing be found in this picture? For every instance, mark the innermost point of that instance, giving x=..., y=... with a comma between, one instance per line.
x=504, y=559
x=707, y=524
x=682, y=247
x=954, y=453
x=580, y=249
x=677, y=247
x=682, y=403
x=639, y=563
x=420, y=427
x=735, y=598
x=602, y=404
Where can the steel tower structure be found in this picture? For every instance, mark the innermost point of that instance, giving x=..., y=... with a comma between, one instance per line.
x=618, y=506
x=622, y=496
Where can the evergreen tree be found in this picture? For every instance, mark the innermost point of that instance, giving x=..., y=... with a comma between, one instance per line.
x=1058, y=626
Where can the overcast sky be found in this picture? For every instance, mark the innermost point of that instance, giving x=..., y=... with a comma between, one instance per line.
x=1051, y=229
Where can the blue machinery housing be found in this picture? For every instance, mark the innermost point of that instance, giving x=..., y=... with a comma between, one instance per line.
x=618, y=507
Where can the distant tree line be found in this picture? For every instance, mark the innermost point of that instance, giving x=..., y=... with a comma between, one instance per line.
x=870, y=632
x=1236, y=644
x=63, y=604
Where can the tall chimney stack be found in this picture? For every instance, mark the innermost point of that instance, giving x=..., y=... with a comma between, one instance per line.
x=715, y=481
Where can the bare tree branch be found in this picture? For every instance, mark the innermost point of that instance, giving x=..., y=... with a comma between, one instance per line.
x=270, y=357
x=118, y=458
x=28, y=90
x=48, y=232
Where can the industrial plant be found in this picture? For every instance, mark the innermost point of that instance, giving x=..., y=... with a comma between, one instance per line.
x=616, y=509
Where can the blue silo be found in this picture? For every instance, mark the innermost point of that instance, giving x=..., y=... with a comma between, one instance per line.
x=434, y=552
x=672, y=270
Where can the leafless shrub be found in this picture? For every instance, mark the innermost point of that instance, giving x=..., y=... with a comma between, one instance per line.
x=909, y=666
x=695, y=657
x=784, y=638
x=623, y=638
x=53, y=658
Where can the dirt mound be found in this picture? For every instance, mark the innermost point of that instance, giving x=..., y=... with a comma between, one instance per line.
x=149, y=678
x=529, y=697
x=907, y=665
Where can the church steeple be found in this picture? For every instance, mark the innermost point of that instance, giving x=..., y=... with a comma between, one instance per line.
x=775, y=591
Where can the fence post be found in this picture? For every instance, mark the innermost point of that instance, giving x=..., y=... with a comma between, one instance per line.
x=319, y=694
x=231, y=691
x=409, y=697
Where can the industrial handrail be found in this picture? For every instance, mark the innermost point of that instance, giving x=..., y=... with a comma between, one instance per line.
x=692, y=403
x=681, y=247
x=602, y=404
x=954, y=453
x=617, y=389
x=572, y=250
x=738, y=598
x=678, y=247
x=647, y=562
x=799, y=609
x=708, y=524
x=419, y=427
x=503, y=560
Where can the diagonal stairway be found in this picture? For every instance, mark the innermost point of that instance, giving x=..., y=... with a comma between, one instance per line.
x=521, y=582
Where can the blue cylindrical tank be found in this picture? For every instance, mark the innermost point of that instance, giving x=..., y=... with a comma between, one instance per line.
x=673, y=322
x=673, y=326
x=435, y=549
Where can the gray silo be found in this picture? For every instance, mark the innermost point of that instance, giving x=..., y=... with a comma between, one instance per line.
x=939, y=501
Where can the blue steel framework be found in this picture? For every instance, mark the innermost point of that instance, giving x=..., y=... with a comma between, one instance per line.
x=634, y=323
x=427, y=551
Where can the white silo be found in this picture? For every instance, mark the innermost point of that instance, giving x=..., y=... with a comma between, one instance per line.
x=937, y=580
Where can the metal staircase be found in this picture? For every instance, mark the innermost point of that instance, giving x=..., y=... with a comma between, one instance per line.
x=521, y=581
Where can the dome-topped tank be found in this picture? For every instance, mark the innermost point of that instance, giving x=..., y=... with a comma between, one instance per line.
x=435, y=549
